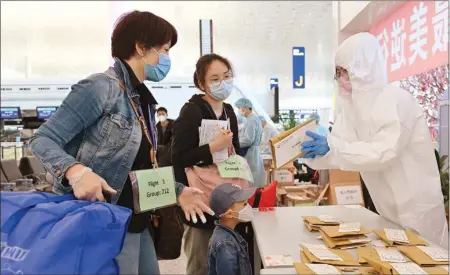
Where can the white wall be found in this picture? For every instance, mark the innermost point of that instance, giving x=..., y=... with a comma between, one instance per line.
x=349, y=10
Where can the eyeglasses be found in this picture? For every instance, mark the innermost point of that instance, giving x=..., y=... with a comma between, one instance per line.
x=216, y=83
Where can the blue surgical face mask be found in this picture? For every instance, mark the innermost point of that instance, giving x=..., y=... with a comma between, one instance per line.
x=159, y=71
x=221, y=90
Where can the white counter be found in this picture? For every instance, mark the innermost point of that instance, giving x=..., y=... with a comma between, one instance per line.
x=282, y=231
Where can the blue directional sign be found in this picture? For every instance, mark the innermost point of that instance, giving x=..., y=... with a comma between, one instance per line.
x=298, y=67
x=273, y=83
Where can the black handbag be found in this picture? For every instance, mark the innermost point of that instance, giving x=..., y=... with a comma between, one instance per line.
x=167, y=232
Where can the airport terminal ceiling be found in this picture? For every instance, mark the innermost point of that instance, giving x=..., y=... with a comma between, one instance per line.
x=71, y=39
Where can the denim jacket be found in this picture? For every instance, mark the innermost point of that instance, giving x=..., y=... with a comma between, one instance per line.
x=228, y=253
x=95, y=126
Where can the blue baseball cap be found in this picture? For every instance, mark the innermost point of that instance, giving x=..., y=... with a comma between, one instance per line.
x=224, y=195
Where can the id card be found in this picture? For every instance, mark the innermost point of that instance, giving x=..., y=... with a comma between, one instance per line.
x=235, y=167
x=153, y=189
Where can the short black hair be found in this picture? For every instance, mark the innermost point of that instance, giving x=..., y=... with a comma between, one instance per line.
x=161, y=109
x=203, y=64
x=140, y=27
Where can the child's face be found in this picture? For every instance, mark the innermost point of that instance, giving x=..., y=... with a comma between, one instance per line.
x=233, y=211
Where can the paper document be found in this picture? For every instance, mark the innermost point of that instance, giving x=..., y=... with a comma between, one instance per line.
x=396, y=235
x=349, y=227
x=390, y=255
x=278, y=260
x=326, y=218
x=325, y=255
x=408, y=269
x=436, y=253
x=378, y=243
x=314, y=246
x=208, y=131
x=288, y=146
x=320, y=269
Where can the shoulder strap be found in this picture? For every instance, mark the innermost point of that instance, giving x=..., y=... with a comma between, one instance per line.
x=143, y=125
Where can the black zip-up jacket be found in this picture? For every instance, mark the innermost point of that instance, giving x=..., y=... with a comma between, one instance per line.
x=185, y=140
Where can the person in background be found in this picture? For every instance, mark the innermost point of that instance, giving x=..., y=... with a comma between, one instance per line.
x=320, y=130
x=214, y=77
x=269, y=132
x=381, y=132
x=228, y=251
x=95, y=139
x=164, y=129
x=252, y=140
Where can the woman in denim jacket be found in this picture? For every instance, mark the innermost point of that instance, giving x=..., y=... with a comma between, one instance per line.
x=95, y=139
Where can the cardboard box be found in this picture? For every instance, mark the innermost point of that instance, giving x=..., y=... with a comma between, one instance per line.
x=304, y=195
x=285, y=175
x=345, y=193
x=339, y=176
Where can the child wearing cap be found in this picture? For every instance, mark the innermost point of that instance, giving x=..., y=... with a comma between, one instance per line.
x=228, y=252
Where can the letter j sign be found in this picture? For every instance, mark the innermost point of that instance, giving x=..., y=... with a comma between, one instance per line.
x=298, y=67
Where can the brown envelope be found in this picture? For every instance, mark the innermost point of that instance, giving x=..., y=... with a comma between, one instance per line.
x=347, y=258
x=413, y=238
x=311, y=227
x=282, y=136
x=343, y=243
x=367, y=252
x=304, y=258
x=303, y=269
x=333, y=232
x=419, y=257
x=316, y=221
x=386, y=268
x=368, y=271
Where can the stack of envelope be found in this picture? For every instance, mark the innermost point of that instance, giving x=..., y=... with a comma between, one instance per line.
x=395, y=237
x=345, y=236
x=314, y=223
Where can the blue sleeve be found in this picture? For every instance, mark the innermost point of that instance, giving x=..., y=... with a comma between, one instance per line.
x=249, y=135
x=227, y=259
x=82, y=107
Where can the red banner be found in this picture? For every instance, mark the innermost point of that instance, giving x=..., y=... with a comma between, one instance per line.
x=414, y=39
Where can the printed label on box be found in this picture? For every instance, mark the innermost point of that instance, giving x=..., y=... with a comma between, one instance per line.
x=283, y=175
x=348, y=194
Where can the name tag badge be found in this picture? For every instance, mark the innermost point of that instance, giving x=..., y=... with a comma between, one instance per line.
x=153, y=189
x=235, y=167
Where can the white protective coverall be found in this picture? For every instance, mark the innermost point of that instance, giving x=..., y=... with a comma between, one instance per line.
x=251, y=137
x=268, y=132
x=382, y=132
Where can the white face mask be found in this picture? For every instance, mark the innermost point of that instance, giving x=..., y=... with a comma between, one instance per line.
x=246, y=214
x=162, y=118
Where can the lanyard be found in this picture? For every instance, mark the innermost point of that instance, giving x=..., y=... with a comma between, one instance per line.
x=151, y=136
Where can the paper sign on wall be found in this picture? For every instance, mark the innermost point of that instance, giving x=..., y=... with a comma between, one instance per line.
x=351, y=194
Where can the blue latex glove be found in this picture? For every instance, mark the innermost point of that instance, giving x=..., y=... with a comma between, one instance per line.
x=316, y=147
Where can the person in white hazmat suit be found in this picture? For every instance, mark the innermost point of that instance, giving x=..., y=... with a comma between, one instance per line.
x=250, y=141
x=381, y=132
x=269, y=132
